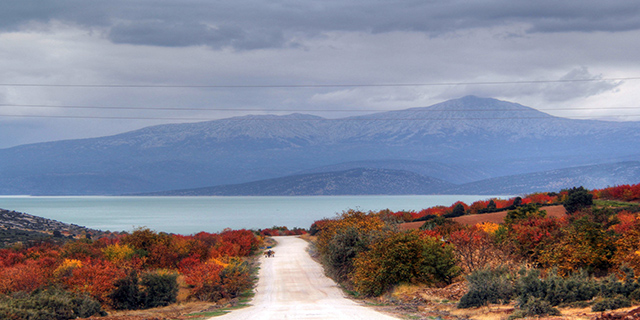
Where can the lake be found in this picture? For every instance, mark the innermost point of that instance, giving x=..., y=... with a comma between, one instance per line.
x=188, y=215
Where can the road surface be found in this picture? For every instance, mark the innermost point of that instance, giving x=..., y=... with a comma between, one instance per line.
x=293, y=286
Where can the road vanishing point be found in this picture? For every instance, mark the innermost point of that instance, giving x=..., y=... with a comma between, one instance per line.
x=291, y=285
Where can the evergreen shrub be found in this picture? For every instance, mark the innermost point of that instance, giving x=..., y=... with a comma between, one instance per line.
x=535, y=307
x=613, y=303
x=52, y=304
x=487, y=286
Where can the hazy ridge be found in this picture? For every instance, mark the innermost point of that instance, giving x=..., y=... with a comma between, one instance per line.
x=462, y=141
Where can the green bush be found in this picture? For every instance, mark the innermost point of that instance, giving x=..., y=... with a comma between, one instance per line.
x=85, y=306
x=635, y=295
x=403, y=257
x=457, y=211
x=577, y=199
x=127, y=295
x=616, y=302
x=53, y=304
x=154, y=289
x=236, y=278
x=611, y=286
x=342, y=249
x=576, y=287
x=535, y=307
x=530, y=285
x=160, y=289
x=487, y=286
x=555, y=289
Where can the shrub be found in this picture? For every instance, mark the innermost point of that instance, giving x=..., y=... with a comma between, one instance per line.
x=343, y=238
x=126, y=295
x=317, y=226
x=577, y=199
x=235, y=277
x=576, y=287
x=524, y=213
x=153, y=289
x=204, y=280
x=85, y=306
x=529, y=285
x=403, y=257
x=535, y=307
x=475, y=249
x=342, y=249
x=613, y=303
x=457, y=211
x=487, y=286
x=160, y=288
x=51, y=304
x=635, y=295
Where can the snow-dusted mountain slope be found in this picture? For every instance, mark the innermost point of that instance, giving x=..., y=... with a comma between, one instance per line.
x=485, y=137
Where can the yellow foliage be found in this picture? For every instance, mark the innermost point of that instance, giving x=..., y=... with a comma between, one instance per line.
x=66, y=267
x=117, y=253
x=488, y=227
x=164, y=272
x=220, y=261
x=365, y=223
x=407, y=292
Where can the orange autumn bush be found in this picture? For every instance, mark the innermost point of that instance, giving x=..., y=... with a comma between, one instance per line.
x=213, y=264
x=342, y=238
x=402, y=257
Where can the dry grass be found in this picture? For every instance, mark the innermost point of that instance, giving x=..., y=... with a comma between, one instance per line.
x=174, y=311
x=413, y=301
x=308, y=237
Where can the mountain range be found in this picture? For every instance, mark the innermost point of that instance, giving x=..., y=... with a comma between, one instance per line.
x=469, y=145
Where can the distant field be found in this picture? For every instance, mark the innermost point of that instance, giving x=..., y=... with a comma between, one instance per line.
x=498, y=217
x=495, y=217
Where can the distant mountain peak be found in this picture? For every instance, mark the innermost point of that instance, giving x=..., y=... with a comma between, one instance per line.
x=468, y=105
x=485, y=137
x=293, y=116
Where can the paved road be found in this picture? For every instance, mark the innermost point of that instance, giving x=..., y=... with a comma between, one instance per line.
x=293, y=286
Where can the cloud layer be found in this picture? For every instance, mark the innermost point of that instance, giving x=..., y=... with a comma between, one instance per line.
x=280, y=43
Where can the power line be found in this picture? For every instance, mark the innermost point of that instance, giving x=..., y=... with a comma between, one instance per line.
x=294, y=110
x=297, y=119
x=345, y=85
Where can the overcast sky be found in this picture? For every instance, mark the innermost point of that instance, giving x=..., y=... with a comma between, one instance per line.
x=77, y=68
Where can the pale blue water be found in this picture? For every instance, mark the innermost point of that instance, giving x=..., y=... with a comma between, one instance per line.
x=188, y=215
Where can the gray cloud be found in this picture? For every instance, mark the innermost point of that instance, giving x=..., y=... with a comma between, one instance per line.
x=175, y=34
x=563, y=91
x=308, y=42
x=254, y=24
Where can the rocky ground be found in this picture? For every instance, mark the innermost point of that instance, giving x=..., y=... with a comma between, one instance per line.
x=20, y=227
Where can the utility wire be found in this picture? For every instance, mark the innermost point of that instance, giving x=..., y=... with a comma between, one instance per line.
x=242, y=86
x=299, y=119
x=293, y=110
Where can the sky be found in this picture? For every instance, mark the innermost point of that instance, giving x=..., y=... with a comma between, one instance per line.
x=76, y=68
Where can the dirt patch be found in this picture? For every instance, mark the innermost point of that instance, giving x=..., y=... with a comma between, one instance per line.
x=633, y=314
x=454, y=291
x=179, y=311
x=410, y=225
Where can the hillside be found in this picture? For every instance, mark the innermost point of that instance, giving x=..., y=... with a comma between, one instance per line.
x=449, y=172
x=591, y=177
x=364, y=181
x=20, y=227
x=486, y=138
x=359, y=181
